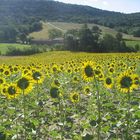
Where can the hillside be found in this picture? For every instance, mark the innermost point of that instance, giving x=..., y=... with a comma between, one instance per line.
x=64, y=26
x=24, y=12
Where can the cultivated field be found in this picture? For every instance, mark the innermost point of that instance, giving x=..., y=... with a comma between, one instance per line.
x=71, y=96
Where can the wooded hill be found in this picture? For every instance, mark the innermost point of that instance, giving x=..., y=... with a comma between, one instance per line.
x=23, y=16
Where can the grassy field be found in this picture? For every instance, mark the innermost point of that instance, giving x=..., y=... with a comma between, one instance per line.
x=132, y=42
x=4, y=46
x=43, y=34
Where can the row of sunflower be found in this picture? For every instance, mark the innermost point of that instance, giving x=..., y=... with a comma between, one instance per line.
x=80, y=98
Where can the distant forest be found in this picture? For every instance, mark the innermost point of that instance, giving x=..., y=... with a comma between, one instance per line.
x=21, y=17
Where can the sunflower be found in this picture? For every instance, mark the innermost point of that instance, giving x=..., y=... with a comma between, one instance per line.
x=55, y=83
x=69, y=70
x=1, y=69
x=87, y=90
x=136, y=80
x=111, y=70
x=15, y=68
x=54, y=92
x=74, y=97
x=3, y=89
x=126, y=82
x=12, y=91
x=61, y=67
x=25, y=84
x=38, y=76
x=108, y=82
x=99, y=67
x=55, y=68
x=2, y=81
x=75, y=79
x=88, y=70
x=7, y=72
x=99, y=74
x=25, y=71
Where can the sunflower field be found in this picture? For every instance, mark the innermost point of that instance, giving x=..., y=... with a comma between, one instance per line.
x=71, y=96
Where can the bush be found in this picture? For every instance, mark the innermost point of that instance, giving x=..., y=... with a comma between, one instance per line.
x=18, y=52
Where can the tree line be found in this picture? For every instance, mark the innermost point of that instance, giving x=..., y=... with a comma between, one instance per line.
x=19, y=33
x=92, y=40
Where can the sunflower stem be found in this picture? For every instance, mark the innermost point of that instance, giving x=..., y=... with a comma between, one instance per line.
x=24, y=113
x=38, y=107
x=99, y=110
x=61, y=118
x=16, y=121
x=128, y=117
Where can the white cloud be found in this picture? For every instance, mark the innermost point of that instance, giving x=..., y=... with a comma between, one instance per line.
x=105, y=3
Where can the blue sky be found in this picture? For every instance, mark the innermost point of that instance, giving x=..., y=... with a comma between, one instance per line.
x=125, y=6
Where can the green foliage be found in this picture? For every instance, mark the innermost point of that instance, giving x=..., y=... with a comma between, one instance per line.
x=47, y=112
x=137, y=33
x=90, y=40
x=86, y=39
x=18, y=52
x=28, y=14
x=132, y=43
x=5, y=46
x=8, y=34
x=55, y=33
x=137, y=47
x=119, y=36
x=109, y=43
x=71, y=43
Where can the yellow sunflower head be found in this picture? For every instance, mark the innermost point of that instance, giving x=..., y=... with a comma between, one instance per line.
x=111, y=70
x=2, y=81
x=3, y=89
x=56, y=83
x=88, y=70
x=87, y=90
x=108, y=82
x=7, y=72
x=55, y=68
x=126, y=83
x=55, y=92
x=38, y=76
x=12, y=91
x=25, y=84
x=75, y=79
x=136, y=80
x=74, y=97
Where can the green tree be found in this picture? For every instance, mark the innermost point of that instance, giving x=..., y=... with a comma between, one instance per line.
x=23, y=38
x=54, y=33
x=71, y=43
x=109, y=44
x=36, y=26
x=86, y=39
x=96, y=31
x=9, y=34
x=137, y=47
x=119, y=36
x=137, y=33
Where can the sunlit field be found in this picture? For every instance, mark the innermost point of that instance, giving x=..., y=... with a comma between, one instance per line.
x=70, y=96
